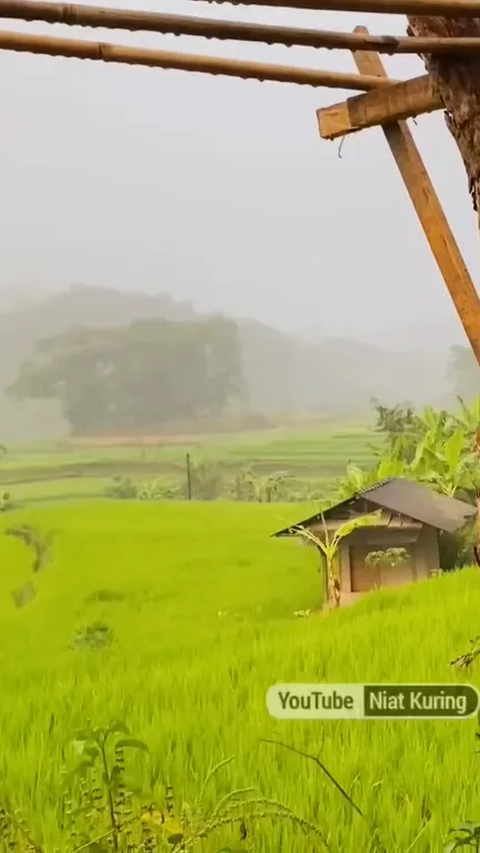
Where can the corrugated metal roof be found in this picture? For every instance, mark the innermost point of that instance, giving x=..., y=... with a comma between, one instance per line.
x=403, y=497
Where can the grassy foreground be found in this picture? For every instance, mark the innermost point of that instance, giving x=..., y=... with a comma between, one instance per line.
x=201, y=602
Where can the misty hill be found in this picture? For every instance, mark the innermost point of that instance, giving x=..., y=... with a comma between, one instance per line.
x=282, y=373
x=335, y=375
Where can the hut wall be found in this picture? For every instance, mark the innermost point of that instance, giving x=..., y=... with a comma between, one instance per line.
x=357, y=576
x=427, y=555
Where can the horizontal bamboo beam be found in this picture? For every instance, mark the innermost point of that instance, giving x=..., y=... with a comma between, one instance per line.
x=400, y=101
x=159, y=22
x=443, y=8
x=105, y=52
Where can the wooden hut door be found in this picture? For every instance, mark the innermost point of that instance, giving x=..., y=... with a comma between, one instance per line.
x=363, y=577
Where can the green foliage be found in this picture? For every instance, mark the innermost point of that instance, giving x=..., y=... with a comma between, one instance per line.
x=465, y=660
x=437, y=448
x=446, y=462
x=244, y=485
x=269, y=488
x=15, y=837
x=468, y=833
x=208, y=480
x=122, y=488
x=152, y=491
x=393, y=420
x=390, y=557
x=456, y=549
x=98, y=635
x=249, y=485
x=102, y=811
x=98, y=803
x=212, y=480
x=328, y=545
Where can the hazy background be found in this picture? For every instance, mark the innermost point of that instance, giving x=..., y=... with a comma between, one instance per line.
x=220, y=192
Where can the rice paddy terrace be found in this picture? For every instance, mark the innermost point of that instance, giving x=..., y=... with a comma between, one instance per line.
x=175, y=617
x=84, y=468
x=195, y=628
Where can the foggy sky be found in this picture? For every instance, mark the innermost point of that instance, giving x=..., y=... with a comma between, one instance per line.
x=220, y=191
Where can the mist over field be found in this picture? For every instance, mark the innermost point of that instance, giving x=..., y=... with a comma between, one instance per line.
x=175, y=195
x=275, y=374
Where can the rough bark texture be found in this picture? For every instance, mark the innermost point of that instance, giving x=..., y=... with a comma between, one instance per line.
x=457, y=81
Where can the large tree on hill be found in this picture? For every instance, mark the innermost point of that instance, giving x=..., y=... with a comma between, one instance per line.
x=136, y=377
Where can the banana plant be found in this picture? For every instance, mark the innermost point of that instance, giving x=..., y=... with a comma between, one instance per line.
x=449, y=465
x=440, y=449
x=329, y=545
x=469, y=417
x=391, y=466
x=356, y=479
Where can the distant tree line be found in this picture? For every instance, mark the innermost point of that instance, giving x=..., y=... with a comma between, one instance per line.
x=109, y=375
x=136, y=377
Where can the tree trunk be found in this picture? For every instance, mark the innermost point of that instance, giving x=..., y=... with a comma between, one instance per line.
x=457, y=81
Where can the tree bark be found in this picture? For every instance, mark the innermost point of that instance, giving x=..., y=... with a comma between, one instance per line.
x=457, y=81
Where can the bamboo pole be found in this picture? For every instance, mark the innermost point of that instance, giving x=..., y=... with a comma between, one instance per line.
x=158, y=22
x=430, y=212
x=106, y=52
x=443, y=8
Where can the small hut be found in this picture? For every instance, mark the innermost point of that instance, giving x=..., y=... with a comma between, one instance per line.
x=409, y=516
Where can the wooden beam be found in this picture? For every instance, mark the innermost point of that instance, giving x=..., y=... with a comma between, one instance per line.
x=430, y=213
x=105, y=52
x=443, y=8
x=399, y=101
x=79, y=15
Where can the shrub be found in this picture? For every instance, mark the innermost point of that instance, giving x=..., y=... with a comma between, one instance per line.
x=122, y=488
x=456, y=549
x=94, y=636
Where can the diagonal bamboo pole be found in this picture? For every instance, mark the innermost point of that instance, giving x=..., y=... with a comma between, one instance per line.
x=105, y=52
x=430, y=213
x=80, y=15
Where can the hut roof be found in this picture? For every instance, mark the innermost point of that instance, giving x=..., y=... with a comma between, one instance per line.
x=399, y=496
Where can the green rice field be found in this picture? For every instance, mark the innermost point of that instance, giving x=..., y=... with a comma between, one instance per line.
x=66, y=470
x=200, y=602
